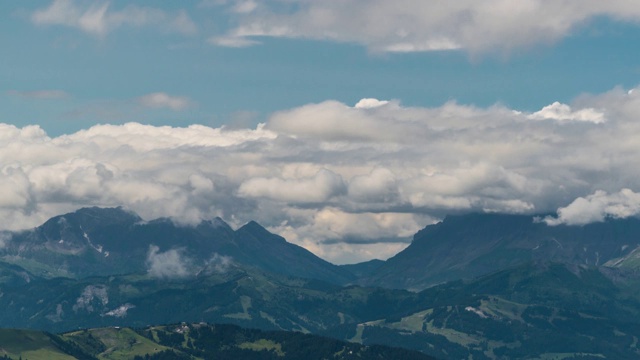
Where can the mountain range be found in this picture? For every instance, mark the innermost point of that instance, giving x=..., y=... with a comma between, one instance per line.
x=100, y=242
x=481, y=286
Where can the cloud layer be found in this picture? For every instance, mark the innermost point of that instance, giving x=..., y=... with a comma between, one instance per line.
x=418, y=25
x=348, y=182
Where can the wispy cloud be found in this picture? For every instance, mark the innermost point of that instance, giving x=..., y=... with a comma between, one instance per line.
x=39, y=94
x=418, y=25
x=164, y=100
x=99, y=19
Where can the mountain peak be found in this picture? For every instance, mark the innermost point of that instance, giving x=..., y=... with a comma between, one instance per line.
x=91, y=217
x=216, y=223
x=255, y=229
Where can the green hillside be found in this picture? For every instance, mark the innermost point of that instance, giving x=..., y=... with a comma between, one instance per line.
x=30, y=344
x=188, y=342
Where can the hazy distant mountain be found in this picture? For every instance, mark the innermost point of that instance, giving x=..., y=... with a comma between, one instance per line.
x=363, y=269
x=99, y=241
x=468, y=246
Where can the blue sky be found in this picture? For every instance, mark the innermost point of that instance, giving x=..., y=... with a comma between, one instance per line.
x=247, y=110
x=231, y=85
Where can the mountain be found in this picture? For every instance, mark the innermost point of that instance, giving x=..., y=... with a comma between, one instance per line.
x=187, y=341
x=469, y=246
x=535, y=310
x=363, y=269
x=242, y=295
x=109, y=241
x=538, y=310
x=483, y=286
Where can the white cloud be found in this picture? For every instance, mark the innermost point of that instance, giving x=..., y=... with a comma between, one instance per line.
x=120, y=311
x=334, y=177
x=98, y=18
x=596, y=207
x=319, y=188
x=163, y=100
x=169, y=264
x=370, y=103
x=418, y=25
x=563, y=112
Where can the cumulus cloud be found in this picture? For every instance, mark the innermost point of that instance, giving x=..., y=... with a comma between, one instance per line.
x=98, y=18
x=596, y=207
x=332, y=176
x=417, y=25
x=558, y=111
x=161, y=100
x=169, y=264
x=319, y=188
x=369, y=103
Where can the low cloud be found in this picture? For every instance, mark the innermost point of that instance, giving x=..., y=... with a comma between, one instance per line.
x=167, y=265
x=319, y=188
x=332, y=176
x=160, y=100
x=217, y=264
x=563, y=112
x=597, y=207
x=99, y=18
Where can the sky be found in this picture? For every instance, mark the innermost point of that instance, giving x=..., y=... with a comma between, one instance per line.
x=343, y=125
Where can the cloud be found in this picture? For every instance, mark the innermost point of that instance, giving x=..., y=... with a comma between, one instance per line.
x=217, y=264
x=39, y=94
x=370, y=103
x=319, y=188
x=99, y=19
x=597, y=207
x=163, y=100
x=563, y=112
x=167, y=265
x=417, y=25
x=336, y=178
x=232, y=41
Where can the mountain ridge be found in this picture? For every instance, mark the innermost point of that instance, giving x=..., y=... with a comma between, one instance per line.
x=472, y=245
x=107, y=241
